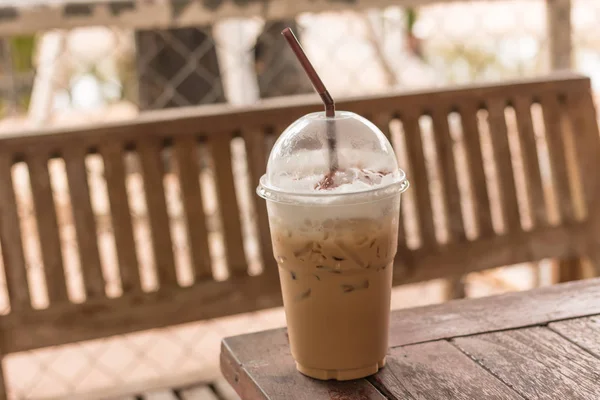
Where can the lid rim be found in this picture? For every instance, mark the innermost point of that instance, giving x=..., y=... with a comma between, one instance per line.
x=280, y=196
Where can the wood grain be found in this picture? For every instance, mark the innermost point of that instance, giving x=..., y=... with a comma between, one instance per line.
x=114, y=173
x=257, y=166
x=437, y=370
x=537, y=363
x=162, y=245
x=47, y=227
x=552, y=122
x=85, y=222
x=531, y=162
x=10, y=238
x=260, y=363
x=448, y=176
x=275, y=376
x=419, y=179
x=582, y=331
x=228, y=204
x=186, y=159
x=481, y=201
x=512, y=310
x=502, y=157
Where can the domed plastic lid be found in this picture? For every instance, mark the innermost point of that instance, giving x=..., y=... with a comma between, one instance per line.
x=299, y=167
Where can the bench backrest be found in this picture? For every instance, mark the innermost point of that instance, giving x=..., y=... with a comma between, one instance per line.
x=168, y=200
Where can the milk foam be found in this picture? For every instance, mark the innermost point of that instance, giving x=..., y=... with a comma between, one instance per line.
x=353, y=195
x=315, y=218
x=358, y=171
x=349, y=181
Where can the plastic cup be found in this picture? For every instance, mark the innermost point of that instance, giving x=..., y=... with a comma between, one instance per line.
x=334, y=236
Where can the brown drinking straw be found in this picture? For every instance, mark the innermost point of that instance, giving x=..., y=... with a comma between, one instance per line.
x=321, y=90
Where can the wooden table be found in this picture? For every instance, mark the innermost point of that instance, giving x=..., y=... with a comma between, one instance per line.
x=540, y=344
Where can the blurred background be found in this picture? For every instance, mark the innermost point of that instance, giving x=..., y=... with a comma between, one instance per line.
x=67, y=63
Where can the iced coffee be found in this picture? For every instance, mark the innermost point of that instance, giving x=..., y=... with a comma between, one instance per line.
x=334, y=236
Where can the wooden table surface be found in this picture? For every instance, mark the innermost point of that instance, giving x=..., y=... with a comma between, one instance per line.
x=540, y=344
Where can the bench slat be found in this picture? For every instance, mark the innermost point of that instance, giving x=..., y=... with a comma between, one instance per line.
x=587, y=142
x=502, y=155
x=558, y=162
x=85, y=222
x=186, y=157
x=448, y=176
x=255, y=142
x=198, y=393
x=114, y=173
x=225, y=391
x=228, y=205
x=160, y=395
x=47, y=227
x=383, y=121
x=10, y=238
x=481, y=201
x=574, y=159
x=151, y=161
x=531, y=162
x=561, y=242
x=420, y=179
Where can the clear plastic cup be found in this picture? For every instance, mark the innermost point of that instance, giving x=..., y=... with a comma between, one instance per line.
x=334, y=238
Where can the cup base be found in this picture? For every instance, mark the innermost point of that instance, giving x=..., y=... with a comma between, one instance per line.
x=340, y=374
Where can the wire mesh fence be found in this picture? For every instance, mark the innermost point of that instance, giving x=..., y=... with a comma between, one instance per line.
x=63, y=76
x=57, y=75
x=93, y=74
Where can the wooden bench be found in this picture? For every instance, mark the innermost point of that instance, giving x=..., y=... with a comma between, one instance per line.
x=471, y=222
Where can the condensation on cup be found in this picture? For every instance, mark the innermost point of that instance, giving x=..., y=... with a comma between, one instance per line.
x=335, y=235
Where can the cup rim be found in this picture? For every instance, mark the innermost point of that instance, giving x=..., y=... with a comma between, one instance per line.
x=277, y=195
